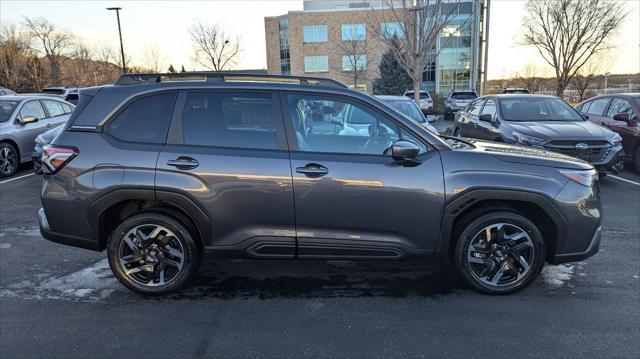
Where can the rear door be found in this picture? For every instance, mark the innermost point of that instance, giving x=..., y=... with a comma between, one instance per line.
x=617, y=106
x=227, y=153
x=57, y=111
x=352, y=199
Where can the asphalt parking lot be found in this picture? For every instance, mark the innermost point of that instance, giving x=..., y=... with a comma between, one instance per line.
x=63, y=302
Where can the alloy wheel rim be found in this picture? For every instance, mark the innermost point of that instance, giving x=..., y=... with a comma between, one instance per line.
x=151, y=255
x=7, y=160
x=500, y=254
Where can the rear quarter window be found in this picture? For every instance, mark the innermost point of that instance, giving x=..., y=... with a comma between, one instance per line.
x=146, y=119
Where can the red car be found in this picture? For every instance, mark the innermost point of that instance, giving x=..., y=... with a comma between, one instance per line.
x=619, y=113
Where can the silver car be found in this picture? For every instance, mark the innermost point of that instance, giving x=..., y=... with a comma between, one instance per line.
x=22, y=119
x=408, y=107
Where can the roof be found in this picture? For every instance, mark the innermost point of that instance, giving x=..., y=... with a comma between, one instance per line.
x=519, y=95
x=30, y=96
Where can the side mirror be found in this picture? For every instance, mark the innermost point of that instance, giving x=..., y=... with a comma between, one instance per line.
x=621, y=117
x=403, y=150
x=486, y=118
x=27, y=120
x=337, y=120
x=432, y=118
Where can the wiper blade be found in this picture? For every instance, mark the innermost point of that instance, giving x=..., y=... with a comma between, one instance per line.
x=457, y=139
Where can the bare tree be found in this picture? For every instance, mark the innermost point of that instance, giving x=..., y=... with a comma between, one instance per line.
x=586, y=75
x=567, y=33
x=14, y=56
x=531, y=77
x=213, y=47
x=416, y=26
x=52, y=43
x=153, y=58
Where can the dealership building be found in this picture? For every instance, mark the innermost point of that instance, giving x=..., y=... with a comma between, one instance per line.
x=312, y=42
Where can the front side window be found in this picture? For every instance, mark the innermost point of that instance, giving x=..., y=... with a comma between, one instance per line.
x=354, y=62
x=325, y=124
x=489, y=109
x=54, y=108
x=146, y=119
x=315, y=33
x=32, y=109
x=391, y=29
x=597, y=106
x=316, y=63
x=227, y=119
x=620, y=105
x=538, y=109
x=354, y=32
x=474, y=107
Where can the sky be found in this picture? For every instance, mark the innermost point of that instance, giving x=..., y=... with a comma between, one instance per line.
x=164, y=24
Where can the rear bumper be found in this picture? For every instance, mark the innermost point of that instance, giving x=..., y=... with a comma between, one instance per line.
x=592, y=249
x=73, y=241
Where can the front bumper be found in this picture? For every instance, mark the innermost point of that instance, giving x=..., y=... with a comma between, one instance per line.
x=592, y=249
x=66, y=239
x=612, y=163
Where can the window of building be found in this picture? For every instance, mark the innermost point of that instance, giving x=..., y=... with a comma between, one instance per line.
x=285, y=56
x=239, y=120
x=354, y=62
x=144, y=120
x=354, y=32
x=315, y=33
x=325, y=124
x=391, y=29
x=316, y=63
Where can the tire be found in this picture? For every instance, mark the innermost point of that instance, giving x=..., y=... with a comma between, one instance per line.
x=9, y=160
x=636, y=160
x=480, y=265
x=161, y=258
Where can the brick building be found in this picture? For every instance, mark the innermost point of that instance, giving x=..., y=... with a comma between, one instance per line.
x=332, y=38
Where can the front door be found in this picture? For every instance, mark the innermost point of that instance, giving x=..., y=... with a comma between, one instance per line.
x=352, y=199
x=227, y=153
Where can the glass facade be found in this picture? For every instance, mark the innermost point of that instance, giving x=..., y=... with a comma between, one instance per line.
x=315, y=33
x=351, y=61
x=285, y=54
x=354, y=32
x=316, y=63
x=456, y=48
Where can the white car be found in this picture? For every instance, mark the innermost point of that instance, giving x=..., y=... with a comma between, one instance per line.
x=426, y=103
x=408, y=107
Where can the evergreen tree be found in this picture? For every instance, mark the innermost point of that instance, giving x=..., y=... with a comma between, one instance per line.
x=393, y=79
x=182, y=69
x=171, y=69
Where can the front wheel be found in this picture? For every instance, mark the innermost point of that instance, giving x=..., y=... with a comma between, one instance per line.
x=152, y=253
x=8, y=160
x=500, y=252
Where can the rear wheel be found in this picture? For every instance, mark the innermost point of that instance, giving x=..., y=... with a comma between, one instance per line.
x=8, y=159
x=152, y=253
x=500, y=253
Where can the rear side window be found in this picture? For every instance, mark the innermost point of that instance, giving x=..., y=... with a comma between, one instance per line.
x=54, y=108
x=597, y=107
x=240, y=120
x=146, y=119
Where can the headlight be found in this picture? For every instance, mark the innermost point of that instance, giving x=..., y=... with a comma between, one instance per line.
x=616, y=139
x=527, y=140
x=584, y=178
x=41, y=141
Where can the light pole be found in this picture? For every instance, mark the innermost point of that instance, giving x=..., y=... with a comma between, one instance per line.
x=606, y=78
x=117, y=9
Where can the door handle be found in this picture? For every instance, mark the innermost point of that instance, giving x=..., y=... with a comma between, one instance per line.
x=184, y=163
x=313, y=170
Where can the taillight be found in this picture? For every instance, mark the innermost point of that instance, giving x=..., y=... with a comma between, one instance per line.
x=55, y=157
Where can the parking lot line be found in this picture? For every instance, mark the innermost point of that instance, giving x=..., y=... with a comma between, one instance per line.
x=17, y=178
x=625, y=180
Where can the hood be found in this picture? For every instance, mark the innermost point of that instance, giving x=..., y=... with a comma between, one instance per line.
x=568, y=130
x=529, y=155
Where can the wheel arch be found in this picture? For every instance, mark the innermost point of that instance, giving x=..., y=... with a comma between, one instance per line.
x=109, y=210
x=535, y=206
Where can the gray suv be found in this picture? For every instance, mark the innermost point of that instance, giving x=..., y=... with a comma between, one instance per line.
x=22, y=119
x=160, y=168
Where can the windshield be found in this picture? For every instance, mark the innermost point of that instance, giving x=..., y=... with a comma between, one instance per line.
x=409, y=109
x=53, y=91
x=423, y=95
x=537, y=109
x=6, y=109
x=463, y=95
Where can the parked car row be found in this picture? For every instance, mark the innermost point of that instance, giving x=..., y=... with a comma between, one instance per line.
x=602, y=135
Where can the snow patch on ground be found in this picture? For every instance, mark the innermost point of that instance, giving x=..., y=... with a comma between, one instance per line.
x=93, y=283
x=556, y=276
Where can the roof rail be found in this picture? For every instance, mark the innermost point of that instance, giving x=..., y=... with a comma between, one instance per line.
x=223, y=76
